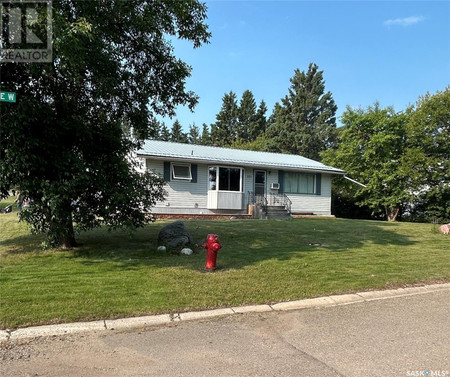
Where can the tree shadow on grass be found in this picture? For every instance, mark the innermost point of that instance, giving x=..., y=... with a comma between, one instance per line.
x=245, y=242
x=24, y=244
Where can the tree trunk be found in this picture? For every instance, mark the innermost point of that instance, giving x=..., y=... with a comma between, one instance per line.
x=392, y=213
x=68, y=240
x=65, y=234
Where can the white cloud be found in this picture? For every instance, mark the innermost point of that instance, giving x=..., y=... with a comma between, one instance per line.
x=407, y=21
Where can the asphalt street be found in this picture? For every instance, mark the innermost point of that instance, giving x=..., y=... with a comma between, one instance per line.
x=399, y=336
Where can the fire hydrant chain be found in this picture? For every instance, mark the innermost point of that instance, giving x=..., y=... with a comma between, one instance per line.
x=212, y=246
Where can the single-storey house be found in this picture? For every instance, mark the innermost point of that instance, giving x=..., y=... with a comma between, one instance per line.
x=209, y=180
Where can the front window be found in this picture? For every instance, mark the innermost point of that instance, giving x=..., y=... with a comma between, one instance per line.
x=227, y=178
x=299, y=183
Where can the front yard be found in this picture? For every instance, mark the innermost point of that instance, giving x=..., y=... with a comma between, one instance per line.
x=117, y=274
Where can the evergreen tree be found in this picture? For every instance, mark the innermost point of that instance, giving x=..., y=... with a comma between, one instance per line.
x=164, y=133
x=261, y=121
x=194, y=134
x=304, y=122
x=224, y=131
x=177, y=134
x=247, y=117
x=205, y=139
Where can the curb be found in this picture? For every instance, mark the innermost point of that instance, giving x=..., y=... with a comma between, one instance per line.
x=164, y=319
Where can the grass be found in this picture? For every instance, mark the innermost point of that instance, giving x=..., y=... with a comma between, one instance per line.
x=117, y=274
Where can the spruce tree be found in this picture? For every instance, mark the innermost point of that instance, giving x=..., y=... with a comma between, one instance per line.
x=224, y=131
x=261, y=121
x=177, y=134
x=205, y=138
x=247, y=117
x=305, y=121
x=194, y=134
x=164, y=133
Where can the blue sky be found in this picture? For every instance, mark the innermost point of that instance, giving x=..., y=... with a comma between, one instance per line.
x=386, y=51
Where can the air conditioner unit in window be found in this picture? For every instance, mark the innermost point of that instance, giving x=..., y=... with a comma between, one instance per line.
x=275, y=186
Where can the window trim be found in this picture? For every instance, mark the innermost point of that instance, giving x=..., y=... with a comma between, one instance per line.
x=173, y=176
x=241, y=178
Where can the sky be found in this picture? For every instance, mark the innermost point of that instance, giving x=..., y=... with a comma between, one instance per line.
x=386, y=51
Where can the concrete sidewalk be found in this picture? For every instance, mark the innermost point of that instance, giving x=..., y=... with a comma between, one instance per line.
x=165, y=319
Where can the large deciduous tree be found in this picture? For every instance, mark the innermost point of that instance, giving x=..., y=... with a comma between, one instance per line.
x=67, y=141
x=429, y=156
x=373, y=149
x=305, y=122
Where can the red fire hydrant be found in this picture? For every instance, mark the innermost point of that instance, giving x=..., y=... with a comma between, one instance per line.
x=212, y=246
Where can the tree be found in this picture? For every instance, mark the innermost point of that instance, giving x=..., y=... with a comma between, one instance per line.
x=429, y=156
x=304, y=122
x=372, y=149
x=164, y=133
x=261, y=121
x=247, y=117
x=259, y=144
x=224, y=130
x=177, y=135
x=67, y=142
x=205, y=139
x=194, y=135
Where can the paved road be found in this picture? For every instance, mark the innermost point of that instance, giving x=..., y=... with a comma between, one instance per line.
x=402, y=336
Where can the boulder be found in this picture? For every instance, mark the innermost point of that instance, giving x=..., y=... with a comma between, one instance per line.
x=186, y=251
x=174, y=235
x=161, y=249
x=445, y=229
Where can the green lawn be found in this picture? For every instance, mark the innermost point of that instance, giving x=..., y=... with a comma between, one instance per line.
x=117, y=274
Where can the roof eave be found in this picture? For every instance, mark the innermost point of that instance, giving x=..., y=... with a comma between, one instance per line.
x=242, y=163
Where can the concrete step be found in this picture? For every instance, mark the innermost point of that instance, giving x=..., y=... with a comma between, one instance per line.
x=277, y=213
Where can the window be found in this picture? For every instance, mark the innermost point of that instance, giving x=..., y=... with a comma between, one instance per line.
x=227, y=179
x=212, y=178
x=181, y=171
x=299, y=183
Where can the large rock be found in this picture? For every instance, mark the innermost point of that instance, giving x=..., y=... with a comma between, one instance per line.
x=174, y=235
x=445, y=229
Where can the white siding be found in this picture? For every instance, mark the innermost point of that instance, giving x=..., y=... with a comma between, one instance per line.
x=317, y=204
x=185, y=197
x=183, y=194
x=272, y=178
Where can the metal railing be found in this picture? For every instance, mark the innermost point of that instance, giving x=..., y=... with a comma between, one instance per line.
x=270, y=200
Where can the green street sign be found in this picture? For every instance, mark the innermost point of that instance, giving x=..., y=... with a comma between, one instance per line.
x=7, y=97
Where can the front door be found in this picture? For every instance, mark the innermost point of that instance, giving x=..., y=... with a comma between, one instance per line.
x=260, y=183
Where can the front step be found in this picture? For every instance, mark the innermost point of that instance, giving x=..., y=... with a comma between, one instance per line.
x=277, y=213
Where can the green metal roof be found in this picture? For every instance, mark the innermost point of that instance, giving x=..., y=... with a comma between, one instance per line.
x=227, y=156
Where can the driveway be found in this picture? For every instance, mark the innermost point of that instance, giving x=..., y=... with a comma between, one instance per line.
x=401, y=336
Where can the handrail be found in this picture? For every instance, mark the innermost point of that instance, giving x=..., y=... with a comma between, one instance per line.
x=288, y=203
x=270, y=199
x=281, y=199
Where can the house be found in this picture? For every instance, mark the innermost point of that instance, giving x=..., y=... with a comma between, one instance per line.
x=208, y=180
